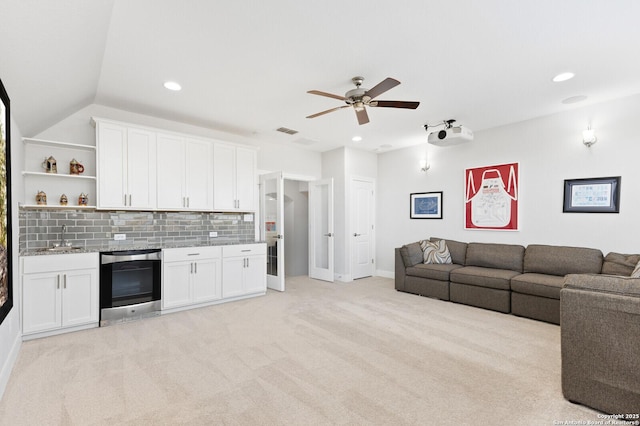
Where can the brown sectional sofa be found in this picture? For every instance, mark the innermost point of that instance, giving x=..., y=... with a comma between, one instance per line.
x=502, y=277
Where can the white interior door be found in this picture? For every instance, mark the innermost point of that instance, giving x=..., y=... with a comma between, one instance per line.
x=321, y=238
x=362, y=222
x=272, y=227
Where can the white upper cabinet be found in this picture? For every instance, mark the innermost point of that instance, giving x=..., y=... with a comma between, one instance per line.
x=185, y=173
x=234, y=178
x=141, y=168
x=126, y=167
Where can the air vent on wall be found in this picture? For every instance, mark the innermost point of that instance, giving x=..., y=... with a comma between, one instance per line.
x=287, y=131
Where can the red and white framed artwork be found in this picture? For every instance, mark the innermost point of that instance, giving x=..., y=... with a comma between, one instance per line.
x=491, y=197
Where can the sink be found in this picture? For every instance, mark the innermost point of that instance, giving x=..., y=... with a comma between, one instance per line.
x=59, y=249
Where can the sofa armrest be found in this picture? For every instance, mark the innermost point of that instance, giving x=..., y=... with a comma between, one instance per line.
x=400, y=271
x=599, y=326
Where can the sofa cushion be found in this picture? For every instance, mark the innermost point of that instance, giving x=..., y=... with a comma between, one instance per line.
x=620, y=264
x=636, y=271
x=498, y=256
x=543, y=285
x=435, y=271
x=457, y=249
x=625, y=286
x=562, y=260
x=483, y=277
x=411, y=254
x=435, y=251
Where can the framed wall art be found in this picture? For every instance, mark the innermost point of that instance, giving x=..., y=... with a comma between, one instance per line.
x=491, y=197
x=6, y=275
x=426, y=205
x=594, y=195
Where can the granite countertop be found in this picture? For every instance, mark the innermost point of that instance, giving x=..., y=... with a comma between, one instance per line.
x=120, y=246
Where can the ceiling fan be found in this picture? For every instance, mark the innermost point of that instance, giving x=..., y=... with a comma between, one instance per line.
x=360, y=98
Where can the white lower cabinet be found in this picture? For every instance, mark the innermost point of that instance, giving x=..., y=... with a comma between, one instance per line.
x=59, y=291
x=244, y=270
x=191, y=276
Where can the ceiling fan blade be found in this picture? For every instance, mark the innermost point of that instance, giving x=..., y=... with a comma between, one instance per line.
x=363, y=117
x=383, y=86
x=327, y=111
x=395, y=104
x=328, y=95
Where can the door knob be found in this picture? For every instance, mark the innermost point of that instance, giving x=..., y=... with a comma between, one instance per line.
x=330, y=234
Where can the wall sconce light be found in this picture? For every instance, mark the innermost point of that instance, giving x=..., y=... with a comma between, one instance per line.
x=589, y=137
x=424, y=166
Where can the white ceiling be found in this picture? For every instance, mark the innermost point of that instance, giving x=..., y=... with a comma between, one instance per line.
x=245, y=66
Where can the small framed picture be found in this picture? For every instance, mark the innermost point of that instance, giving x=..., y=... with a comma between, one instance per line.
x=426, y=205
x=594, y=195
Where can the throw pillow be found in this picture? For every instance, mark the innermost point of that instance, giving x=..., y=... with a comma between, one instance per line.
x=435, y=251
x=636, y=272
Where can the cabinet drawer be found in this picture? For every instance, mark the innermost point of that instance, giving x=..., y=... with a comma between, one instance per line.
x=59, y=262
x=244, y=250
x=191, y=253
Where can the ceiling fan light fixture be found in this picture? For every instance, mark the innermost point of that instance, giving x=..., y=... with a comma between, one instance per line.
x=358, y=106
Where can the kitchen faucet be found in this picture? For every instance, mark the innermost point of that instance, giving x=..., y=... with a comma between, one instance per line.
x=62, y=240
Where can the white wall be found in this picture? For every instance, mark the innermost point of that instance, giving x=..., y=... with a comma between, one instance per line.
x=290, y=159
x=549, y=150
x=342, y=165
x=10, y=330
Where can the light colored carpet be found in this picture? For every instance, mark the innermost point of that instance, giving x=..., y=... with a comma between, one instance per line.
x=320, y=353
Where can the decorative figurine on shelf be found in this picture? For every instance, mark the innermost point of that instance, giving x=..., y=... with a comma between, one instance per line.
x=49, y=165
x=83, y=199
x=63, y=200
x=41, y=198
x=75, y=168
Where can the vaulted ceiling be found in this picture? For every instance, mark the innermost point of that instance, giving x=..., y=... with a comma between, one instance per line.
x=245, y=66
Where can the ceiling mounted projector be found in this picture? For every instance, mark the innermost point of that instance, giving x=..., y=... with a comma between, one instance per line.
x=450, y=135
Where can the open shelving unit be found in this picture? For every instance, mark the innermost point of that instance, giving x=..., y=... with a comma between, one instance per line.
x=56, y=184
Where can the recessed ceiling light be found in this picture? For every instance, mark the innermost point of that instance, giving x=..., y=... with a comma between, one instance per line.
x=563, y=77
x=574, y=99
x=356, y=138
x=172, y=85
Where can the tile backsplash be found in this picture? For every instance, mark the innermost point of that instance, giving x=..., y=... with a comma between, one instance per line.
x=96, y=229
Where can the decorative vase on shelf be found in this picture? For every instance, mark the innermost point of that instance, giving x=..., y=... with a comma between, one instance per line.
x=41, y=198
x=63, y=200
x=75, y=168
x=83, y=199
x=49, y=165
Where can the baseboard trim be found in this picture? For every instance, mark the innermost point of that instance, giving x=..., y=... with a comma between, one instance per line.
x=385, y=274
x=5, y=374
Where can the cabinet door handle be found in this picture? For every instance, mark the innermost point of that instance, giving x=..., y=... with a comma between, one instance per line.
x=58, y=286
x=247, y=262
x=65, y=280
x=130, y=200
x=125, y=200
x=187, y=201
x=195, y=267
x=191, y=268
